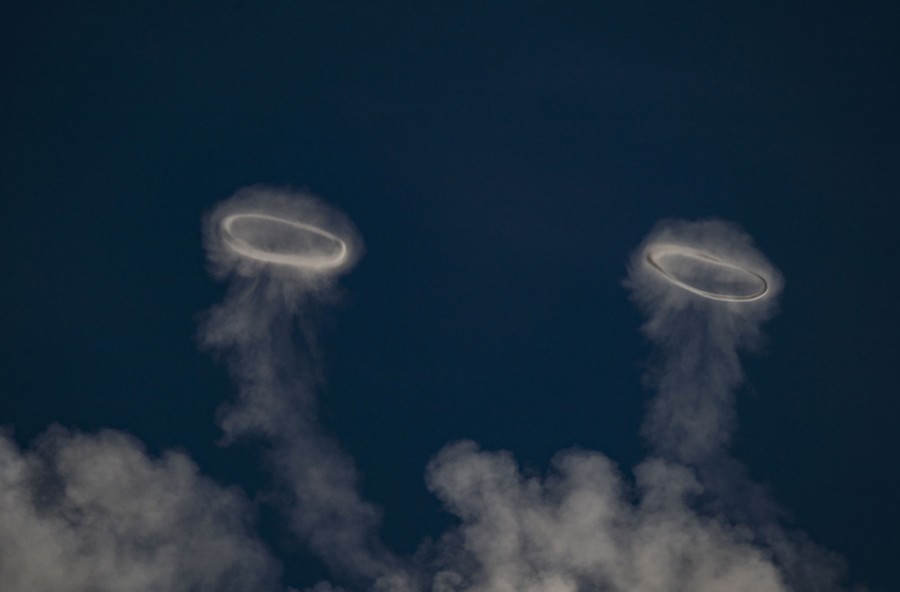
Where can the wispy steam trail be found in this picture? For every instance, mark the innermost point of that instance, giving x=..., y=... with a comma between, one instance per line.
x=706, y=291
x=698, y=368
x=265, y=327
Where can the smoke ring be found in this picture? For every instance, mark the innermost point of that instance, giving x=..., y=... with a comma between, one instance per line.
x=315, y=262
x=655, y=252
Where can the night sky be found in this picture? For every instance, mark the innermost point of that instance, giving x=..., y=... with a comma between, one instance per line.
x=501, y=161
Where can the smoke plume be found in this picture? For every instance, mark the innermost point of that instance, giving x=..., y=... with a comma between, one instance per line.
x=81, y=512
x=266, y=329
x=677, y=525
x=697, y=367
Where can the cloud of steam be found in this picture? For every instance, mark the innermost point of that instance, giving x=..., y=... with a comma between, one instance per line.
x=581, y=527
x=80, y=512
x=94, y=512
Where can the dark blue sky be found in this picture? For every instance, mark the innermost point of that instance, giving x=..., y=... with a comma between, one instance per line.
x=501, y=161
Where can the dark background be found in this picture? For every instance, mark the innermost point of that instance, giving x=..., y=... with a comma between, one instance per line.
x=501, y=160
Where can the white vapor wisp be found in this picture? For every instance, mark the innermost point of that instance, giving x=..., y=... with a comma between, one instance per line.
x=283, y=251
x=698, y=337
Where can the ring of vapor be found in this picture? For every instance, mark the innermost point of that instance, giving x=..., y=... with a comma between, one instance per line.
x=655, y=252
x=301, y=263
x=240, y=246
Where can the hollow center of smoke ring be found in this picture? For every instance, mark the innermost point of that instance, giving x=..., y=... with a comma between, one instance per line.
x=706, y=274
x=281, y=241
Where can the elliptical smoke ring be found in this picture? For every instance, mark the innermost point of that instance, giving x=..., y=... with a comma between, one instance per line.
x=313, y=262
x=655, y=252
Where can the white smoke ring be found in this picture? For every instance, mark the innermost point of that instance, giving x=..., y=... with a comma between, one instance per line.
x=308, y=262
x=654, y=254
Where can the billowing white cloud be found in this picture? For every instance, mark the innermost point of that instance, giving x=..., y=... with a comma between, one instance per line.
x=583, y=527
x=96, y=513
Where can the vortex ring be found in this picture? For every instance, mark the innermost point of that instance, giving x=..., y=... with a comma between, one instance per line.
x=318, y=263
x=654, y=253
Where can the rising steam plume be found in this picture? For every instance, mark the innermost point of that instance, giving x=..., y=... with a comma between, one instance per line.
x=257, y=328
x=698, y=337
x=687, y=519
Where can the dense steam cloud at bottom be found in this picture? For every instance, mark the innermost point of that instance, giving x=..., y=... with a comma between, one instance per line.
x=101, y=510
